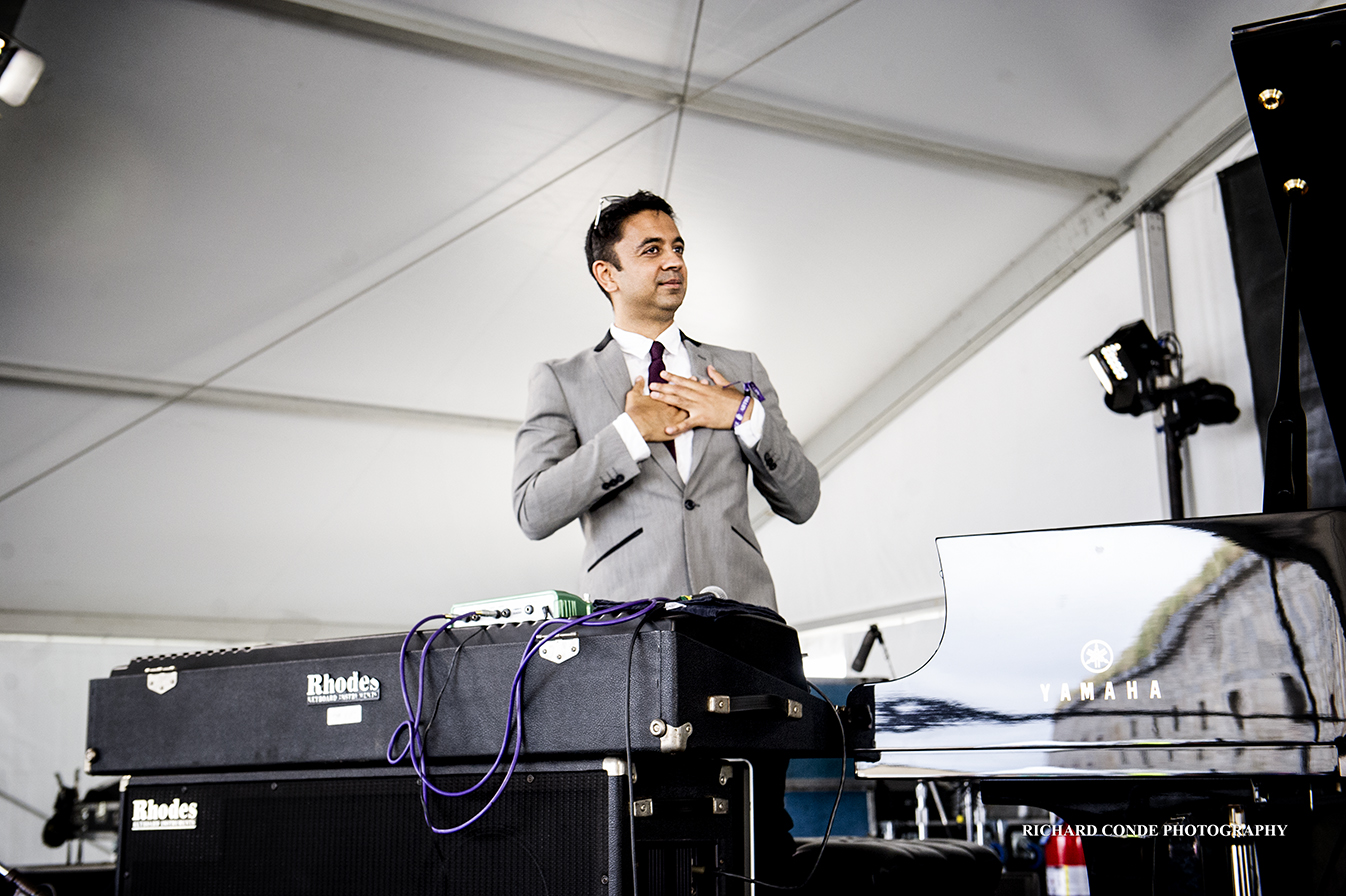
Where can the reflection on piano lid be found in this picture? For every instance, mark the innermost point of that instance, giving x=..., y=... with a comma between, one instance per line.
x=1206, y=646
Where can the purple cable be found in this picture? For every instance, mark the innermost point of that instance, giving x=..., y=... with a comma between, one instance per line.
x=415, y=738
x=412, y=721
x=406, y=698
x=413, y=717
x=514, y=713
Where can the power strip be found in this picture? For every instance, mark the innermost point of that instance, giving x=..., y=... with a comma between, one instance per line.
x=536, y=607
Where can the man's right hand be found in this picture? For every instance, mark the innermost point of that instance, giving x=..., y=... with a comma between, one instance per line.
x=650, y=415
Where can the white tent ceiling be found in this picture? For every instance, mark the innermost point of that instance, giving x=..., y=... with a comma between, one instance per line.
x=358, y=224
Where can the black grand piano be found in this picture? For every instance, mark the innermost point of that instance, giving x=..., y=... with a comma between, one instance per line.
x=1158, y=685
x=1159, y=679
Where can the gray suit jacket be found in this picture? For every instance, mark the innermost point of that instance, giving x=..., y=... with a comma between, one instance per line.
x=646, y=532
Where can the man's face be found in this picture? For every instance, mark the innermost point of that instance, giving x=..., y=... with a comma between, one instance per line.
x=653, y=277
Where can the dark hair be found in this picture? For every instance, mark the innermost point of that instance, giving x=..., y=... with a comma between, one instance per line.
x=606, y=230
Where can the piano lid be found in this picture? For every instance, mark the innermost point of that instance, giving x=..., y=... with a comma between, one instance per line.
x=1293, y=75
x=1194, y=646
x=1291, y=70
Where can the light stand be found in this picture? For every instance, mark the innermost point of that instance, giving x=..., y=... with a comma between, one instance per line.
x=1173, y=456
x=1140, y=374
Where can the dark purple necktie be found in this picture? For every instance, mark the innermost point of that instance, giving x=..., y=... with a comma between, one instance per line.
x=656, y=376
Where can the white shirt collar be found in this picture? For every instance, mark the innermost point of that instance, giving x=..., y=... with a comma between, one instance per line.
x=639, y=346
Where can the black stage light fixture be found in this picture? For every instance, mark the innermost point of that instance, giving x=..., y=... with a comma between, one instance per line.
x=1141, y=373
x=20, y=67
x=1129, y=365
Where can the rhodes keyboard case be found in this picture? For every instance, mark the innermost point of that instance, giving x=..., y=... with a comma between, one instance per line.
x=337, y=702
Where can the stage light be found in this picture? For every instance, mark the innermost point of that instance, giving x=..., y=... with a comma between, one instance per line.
x=1141, y=374
x=20, y=68
x=1100, y=373
x=1130, y=365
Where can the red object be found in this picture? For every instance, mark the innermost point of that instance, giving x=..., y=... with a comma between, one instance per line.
x=1067, y=874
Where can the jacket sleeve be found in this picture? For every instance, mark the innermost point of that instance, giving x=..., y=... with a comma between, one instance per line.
x=780, y=470
x=556, y=478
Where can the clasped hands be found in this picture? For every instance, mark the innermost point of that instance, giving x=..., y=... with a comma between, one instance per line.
x=684, y=403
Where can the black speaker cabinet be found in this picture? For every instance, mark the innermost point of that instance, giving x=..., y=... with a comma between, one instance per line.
x=559, y=828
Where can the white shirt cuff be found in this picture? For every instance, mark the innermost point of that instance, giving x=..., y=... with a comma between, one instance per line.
x=749, y=432
x=638, y=447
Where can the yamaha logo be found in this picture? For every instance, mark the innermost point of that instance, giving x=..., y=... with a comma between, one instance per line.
x=1096, y=656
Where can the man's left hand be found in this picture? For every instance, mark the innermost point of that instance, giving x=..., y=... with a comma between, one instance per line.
x=711, y=405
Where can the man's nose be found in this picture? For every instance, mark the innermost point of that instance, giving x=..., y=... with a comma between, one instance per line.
x=673, y=261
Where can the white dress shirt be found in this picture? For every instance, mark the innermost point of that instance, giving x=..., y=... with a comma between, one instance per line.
x=636, y=352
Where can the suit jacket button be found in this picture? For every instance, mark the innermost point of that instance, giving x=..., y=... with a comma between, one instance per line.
x=621, y=477
x=689, y=504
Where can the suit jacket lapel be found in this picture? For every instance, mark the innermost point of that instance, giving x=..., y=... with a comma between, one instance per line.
x=612, y=370
x=616, y=378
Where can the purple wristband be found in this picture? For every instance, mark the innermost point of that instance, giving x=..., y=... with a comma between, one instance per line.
x=750, y=391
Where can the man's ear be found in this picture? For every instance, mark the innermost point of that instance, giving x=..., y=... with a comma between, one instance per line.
x=602, y=271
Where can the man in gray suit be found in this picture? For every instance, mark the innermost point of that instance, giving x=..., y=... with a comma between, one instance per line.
x=648, y=438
